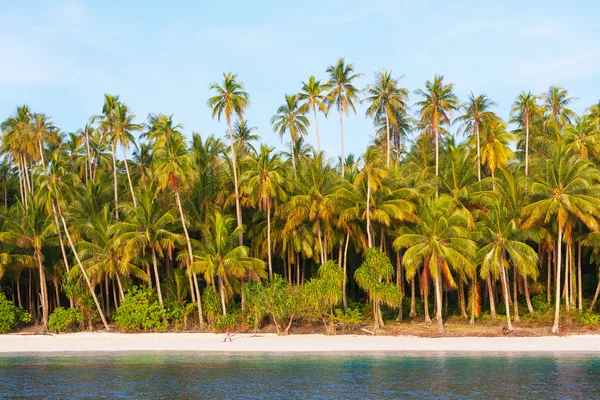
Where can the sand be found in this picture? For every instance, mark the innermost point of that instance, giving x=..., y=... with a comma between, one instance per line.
x=250, y=343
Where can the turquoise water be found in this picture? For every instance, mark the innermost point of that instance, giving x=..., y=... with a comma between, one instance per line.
x=187, y=376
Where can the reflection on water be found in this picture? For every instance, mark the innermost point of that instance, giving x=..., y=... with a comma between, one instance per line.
x=187, y=376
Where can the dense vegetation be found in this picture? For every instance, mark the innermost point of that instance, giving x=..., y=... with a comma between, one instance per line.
x=187, y=233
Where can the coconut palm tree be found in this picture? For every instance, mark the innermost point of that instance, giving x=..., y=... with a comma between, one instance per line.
x=147, y=227
x=231, y=100
x=386, y=98
x=343, y=94
x=434, y=112
x=243, y=135
x=556, y=102
x=477, y=113
x=220, y=257
x=502, y=248
x=523, y=109
x=594, y=113
x=439, y=244
x=174, y=170
x=374, y=175
x=312, y=97
x=264, y=182
x=583, y=137
x=290, y=119
x=496, y=152
x=86, y=133
x=568, y=192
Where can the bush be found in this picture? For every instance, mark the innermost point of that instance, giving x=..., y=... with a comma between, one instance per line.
x=540, y=303
x=350, y=317
x=11, y=316
x=141, y=311
x=226, y=321
x=63, y=320
x=175, y=312
x=587, y=318
x=211, y=306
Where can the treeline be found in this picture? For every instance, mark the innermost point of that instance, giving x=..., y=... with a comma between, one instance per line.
x=224, y=232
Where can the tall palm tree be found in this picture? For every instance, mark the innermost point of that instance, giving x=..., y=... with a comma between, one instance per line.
x=174, y=170
x=523, y=109
x=556, y=102
x=434, y=111
x=374, y=175
x=42, y=129
x=477, y=113
x=439, y=243
x=290, y=119
x=569, y=192
x=342, y=93
x=220, y=257
x=583, y=137
x=312, y=96
x=496, y=152
x=230, y=100
x=386, y=98
x=264, y=182
x=243, y=134
x=87, y=132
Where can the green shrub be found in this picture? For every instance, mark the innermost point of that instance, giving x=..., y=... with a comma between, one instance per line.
x=587, y=318
x=63, y=320
x=226, y=321
x=211, y=306
x=141, y=311
x=11, y=316
x=175, y=312
x=348, y=318
x=540, y=303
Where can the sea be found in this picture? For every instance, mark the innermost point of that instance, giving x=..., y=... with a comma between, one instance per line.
x=300, y=376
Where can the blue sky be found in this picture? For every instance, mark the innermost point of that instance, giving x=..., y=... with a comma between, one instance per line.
x=59, y=57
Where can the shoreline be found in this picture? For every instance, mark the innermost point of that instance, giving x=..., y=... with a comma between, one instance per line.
x=102, y=342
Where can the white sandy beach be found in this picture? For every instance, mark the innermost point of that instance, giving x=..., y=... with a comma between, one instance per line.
x=250, y=343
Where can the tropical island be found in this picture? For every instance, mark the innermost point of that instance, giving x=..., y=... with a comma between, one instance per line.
x=454, y=221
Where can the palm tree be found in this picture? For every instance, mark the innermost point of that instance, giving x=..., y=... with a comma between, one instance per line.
x=290, y=118
x=386, y=98
x=568, y=193
x=42, y=129
x=594, y=113
x=174, y=170
x=264, y=182
x=243, y=135
x=312, y=97
x=502, y=249
x=87, y=132
x=583, y=137
x=161, y=128
x=438, y=244
x=374, y=175
x=438, y=101
x=231, y=99
x=342, y=94
x=147, y=227
x=524, y=107
x=556, y=101
x=220, y=257
x=476, y=114
x=496, y=152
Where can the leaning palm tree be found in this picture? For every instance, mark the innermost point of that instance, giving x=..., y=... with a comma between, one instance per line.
x=502, y=248
x=569, y=192
x=439, y=244
x=476, y=114
x=312, y=97
x=523, y=109
x=174, y=170
x=221, y=258
x=438, y=101
x=264, y=182
x=290, y=119
x=342, y=94
x=386, y=98
x=230, y=100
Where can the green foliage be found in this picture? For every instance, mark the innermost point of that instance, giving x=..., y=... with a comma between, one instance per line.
x=64, y=320
x=350, y=317
x=372, y=274
x=11, y=316
x=254, y=294
x=587, y=318
x=175, y=313
x=211, y=307
x=540, y=303
x=320, y=295
x=226, y=321
x=141, y=311
x=278, y=300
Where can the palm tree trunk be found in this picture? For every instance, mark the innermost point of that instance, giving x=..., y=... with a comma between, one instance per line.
x=555, y=328
x=42, y=153
x=387, y=128
x=83, y=271
x=437, y=160
x=438, y=302
x=21, y=188
x=413, y=299
x=29, y=180
x=579, y=295
x=116, y=186
x=129, y=177
x=293, y=154
x=515, y=294
x=18, y=279
x=319, y=238
x=549, y=284
x=590, y=309
x=62, y=245
x=238, y=209
x=370, y=239
x=461, y=299
x=342, y=143
x=474, y=299
x=505, y=289
x=191, y=253
x=567, y=273
x=106, y=298
x=478, y=152
x=493, y=315
x=399, y=283
x=43, y=290
x=526, y=145
x=156, y=278
x=269, y=240
x=222, y=293
x=317, y=128
x=89, y=156
x=114, y=292
x=120, y=286
x=345, y=283
x=527, y=297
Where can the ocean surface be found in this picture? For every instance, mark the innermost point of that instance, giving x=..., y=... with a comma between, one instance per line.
x=300, y=376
